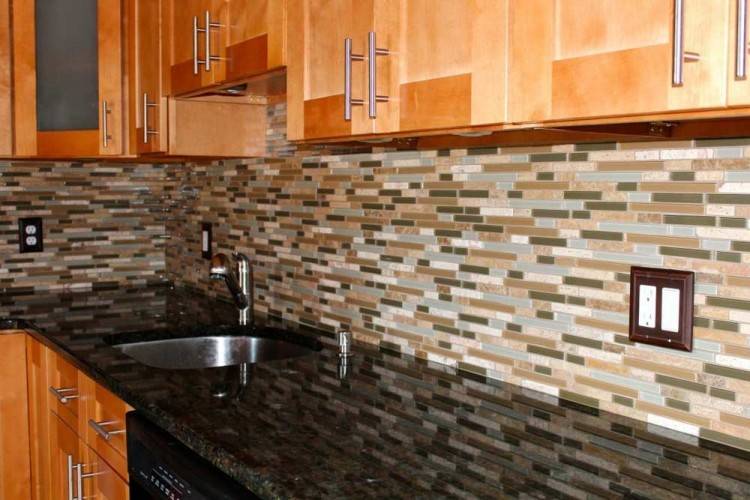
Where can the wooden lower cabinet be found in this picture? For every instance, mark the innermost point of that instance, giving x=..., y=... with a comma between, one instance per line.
x=14, y=437
x=63, y=437
x=75, y=466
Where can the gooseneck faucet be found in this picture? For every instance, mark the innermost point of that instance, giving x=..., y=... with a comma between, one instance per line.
x=240, y=284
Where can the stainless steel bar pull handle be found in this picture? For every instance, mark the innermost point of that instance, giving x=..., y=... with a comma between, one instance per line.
x=99, y=428
x=106, y=111
x=348, y=58
x=64, y=394
x=147, y=132
x=372, y=85
x=80, y=476
x=209, y=26
x=679, y=55
x=740, y=63
x=196, y=29
x=70, y=466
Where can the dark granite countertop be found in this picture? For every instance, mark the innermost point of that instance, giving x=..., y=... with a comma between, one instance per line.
x=391, y=426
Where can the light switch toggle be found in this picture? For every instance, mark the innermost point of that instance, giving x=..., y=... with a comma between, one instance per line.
x=670, y=309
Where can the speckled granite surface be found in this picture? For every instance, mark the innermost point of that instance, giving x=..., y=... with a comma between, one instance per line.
x=384, y=426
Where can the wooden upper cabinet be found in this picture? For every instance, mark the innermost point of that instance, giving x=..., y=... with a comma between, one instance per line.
x=190, y=68
x=416, y=65
x=573, y=59
x=68, y=87
x=222, y=41
x=255, y=37
x=317, y=86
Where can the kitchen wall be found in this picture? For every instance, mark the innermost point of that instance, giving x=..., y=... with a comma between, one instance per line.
x=103, y=224
x=510, y=262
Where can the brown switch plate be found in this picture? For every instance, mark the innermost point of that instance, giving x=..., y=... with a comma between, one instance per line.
x=661, y=334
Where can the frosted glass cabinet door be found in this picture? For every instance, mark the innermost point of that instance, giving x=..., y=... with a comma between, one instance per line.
x=68, y=62
x=67, y=86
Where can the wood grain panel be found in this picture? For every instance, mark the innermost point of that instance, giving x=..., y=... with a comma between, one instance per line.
x=39, y=411
x=24, y=78
x=149, y=78
x=6, y=104
x=206, y=128
x=110, y=76
x=436, y=103
x=68, y=144
x=738, y=90
x=611, y=84
x=247, y=58
x=15, y=467
x=320, y=117
x=530, y=52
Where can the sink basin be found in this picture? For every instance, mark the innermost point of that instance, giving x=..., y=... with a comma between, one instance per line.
x=210, y=352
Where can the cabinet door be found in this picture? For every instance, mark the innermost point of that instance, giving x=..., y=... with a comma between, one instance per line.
x=39, y=411
x=103, y=483
x=575, y=59
x=317, y=30
x=67, y=78
x=256, y=35
x=64, y=391
x=449, y=64
x=151, y=128
x=6, y=105
x=191, y=67
x=67, y=453
x=15, y=470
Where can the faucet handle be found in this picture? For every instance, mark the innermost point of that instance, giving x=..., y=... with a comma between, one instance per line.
x=240, y=257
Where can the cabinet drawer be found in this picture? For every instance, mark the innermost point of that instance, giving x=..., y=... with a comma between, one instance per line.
x=103, y=428
x=64, y=391
x=105, y=483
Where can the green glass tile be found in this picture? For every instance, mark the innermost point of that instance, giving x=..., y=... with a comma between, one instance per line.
x=579, y=398
x=729, y=198
x=682, y=384
x=582, y=195
x=602, y=235
x=590, y=283
x=577, y=301
x=544, y=370
x=552, y=242
x=573, y=358
x=726, y=371
x=549, y=297
x=682, y=176
x=690, y=220
x=728, y=303
x=596, y=146
x=544, y=157
x=627, y=186
x=545, y=176
x=691, y=253
x=474, y=193
x=729, y=256
x=729, y=326
x=677, y=404
x=622, y=400
x=473, y=319
x=466, y=268
x=581, y=214
x=606, y=205
x=489, y=228
x=732, y=222
x=721, y=393
x=677, y=197
x=545, y=315
x=515, y=275
x=582, y=341
x=741, y=246
x=578, y=156
x=543, y=351
x=550, y=214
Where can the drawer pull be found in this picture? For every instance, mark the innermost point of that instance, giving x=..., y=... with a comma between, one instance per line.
x=372, y=84
x=64, y=394
x=99, y=428
x=741, y=48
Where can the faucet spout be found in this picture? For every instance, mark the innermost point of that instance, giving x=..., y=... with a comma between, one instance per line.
x=239, y=283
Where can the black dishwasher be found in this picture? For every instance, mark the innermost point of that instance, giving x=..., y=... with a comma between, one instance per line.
x=161, y=468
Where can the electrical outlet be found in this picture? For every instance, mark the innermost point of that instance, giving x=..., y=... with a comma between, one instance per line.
x=647, y=306
x=30, y=235
x=206, y=240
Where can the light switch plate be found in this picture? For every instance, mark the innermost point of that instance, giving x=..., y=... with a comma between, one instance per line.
x=206, y=240
x=661, y=307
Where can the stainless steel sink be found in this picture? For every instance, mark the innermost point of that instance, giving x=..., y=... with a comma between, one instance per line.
x=210, y=352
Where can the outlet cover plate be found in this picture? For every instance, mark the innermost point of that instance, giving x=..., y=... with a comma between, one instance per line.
x=30, y=235
x=668, y=296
